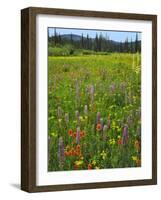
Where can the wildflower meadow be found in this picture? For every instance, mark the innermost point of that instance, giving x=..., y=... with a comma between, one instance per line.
x=94, y=110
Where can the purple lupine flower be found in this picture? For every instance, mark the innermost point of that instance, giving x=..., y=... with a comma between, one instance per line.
x=66, y=117
x=125, y=135
x=105, y=127
x=85, y=109
x=59, y=112
x=61, y=155
x=78, y=135
x=98, y=117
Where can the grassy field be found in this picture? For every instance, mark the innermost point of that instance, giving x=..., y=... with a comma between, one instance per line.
x=94, y=111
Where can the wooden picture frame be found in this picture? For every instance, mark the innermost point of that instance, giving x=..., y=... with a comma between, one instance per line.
x=28, y=98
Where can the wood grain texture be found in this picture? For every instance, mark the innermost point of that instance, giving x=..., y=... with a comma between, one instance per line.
x=28, y=98
x=24, y=100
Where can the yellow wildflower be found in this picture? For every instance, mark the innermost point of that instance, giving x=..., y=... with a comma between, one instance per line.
x=97, y=167
x=112, y=141
x=94, y=162
x=119, y=137
x=54, y=134
x=81, y=119
x=59, y=120
x=78, y=162
x=103, y=155
x=134, y=158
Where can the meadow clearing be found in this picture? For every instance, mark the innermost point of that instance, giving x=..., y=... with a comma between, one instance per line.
x=94, y=111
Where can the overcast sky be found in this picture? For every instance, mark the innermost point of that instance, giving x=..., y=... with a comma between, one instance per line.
x=119, y=36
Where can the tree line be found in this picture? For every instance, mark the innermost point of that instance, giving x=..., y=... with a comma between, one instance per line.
x=99, y=44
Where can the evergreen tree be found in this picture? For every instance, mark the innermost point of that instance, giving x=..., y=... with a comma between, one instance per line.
x=71, y=38
x=59, y=39
x=126, y=46
x=55, y=36
x=100, y=42
x=96, y=43
x=87, y=45
x=136, y=43
x=131, y=46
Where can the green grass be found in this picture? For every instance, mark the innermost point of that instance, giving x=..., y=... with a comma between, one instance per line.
x=69, y=50
x=116, y=81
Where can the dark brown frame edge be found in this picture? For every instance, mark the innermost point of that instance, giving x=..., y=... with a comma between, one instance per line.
x=28, y=98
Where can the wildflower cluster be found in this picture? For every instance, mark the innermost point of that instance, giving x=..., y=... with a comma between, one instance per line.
x=94, y=112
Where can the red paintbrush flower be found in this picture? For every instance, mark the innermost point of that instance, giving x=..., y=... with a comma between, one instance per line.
x=89, y=166
x=119, y=142
x=99, y=127
x=70, y=132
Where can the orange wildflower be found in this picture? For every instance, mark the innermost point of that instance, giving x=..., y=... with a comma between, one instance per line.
x=75, y=153
x=98, y=127
x=82, y=134
x=72, y=152
x=78, y=147
x=89, y=166
x=70, y=132
x=67, y=153
x=119, y=142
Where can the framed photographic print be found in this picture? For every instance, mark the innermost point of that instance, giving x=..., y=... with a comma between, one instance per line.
x=88, y=99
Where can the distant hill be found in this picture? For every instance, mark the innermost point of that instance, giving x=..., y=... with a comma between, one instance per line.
x=74, y=37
